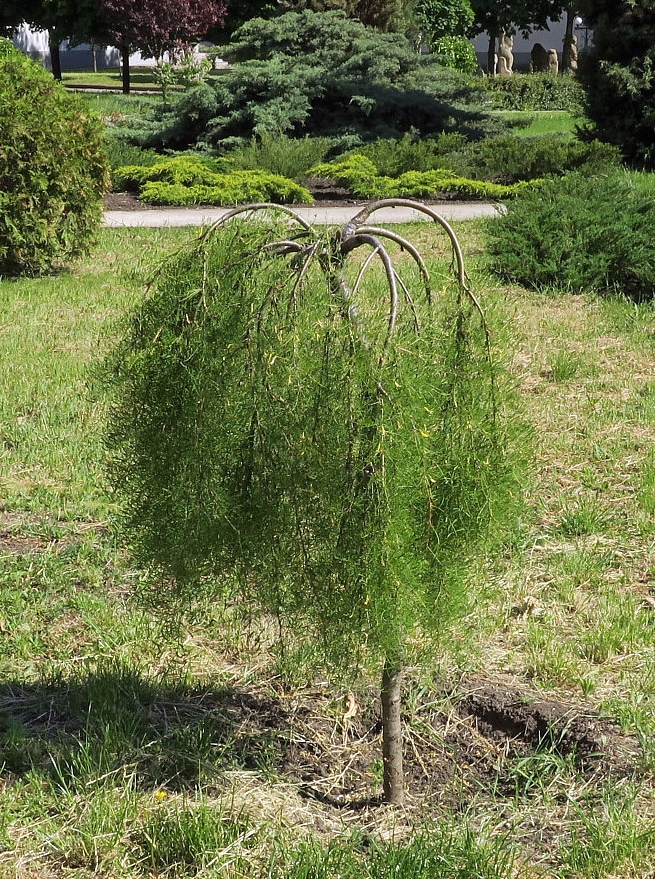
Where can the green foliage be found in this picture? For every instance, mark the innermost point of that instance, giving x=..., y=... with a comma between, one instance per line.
x=510, y=158
x=318, y=74
x=443, y=18
x=267, y=431
x=120, y=154
x=187, y=71
x=238, y=187
x=578, y=233
x=187, y=180
x=456, y=52
x=383, y=15
x=358, y=174
x=185, y=170
x=393, y=156
x=329, y=38
x=443, y=852
x=617, y=74
x=281, y=155
x=191, y=836
x=533, y=91
x=53, y=170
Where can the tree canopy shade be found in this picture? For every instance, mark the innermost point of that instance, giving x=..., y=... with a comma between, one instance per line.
x=11, y=15
x=156, y=26
x=618, y=75
x=494, y=16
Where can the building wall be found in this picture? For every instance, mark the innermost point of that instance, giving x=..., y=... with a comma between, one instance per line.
x=35, y=44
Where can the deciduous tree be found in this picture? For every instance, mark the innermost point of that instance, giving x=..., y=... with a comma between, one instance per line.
x=73, y=20
x=156, y=26
x=444, y=26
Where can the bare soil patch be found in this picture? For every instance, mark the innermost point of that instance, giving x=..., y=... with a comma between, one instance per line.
x=463, y=747
x=324, y=192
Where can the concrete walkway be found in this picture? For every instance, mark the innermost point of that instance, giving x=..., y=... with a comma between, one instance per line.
x=329, y=216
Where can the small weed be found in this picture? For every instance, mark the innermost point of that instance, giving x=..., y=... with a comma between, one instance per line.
x=564, y=366
x=549, y=658
x=192, y=836
x=544, y=773
x=617, y=626
x=585, y=517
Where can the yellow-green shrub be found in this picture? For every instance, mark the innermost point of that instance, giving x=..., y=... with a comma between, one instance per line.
x=187, y=180
x=358, y=174
x=240, y=187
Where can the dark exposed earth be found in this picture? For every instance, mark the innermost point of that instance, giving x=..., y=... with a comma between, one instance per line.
x=324, y=192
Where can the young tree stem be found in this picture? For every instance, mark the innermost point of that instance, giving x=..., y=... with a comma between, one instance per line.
x=392, y=735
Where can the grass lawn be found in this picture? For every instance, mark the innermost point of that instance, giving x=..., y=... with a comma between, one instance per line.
x=527, y=123
x=130, y=748
x=111, y=77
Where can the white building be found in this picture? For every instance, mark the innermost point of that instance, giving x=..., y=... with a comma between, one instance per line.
x=35, y=44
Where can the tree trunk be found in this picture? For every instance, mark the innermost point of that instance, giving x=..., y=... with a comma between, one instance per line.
x=55, y=58
x=491, y=56
x=125, y=67
x=392, y=734
x=568, y=39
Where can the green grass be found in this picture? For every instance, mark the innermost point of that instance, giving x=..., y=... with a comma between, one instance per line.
x=131, y=749
x=117, y=105
x=528, y=123
x=111, y=77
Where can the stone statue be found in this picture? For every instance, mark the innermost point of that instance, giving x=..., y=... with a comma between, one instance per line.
x=543, y=60
x=573, y=55
x=502, y=69
x=553, y=61
x=505, y=54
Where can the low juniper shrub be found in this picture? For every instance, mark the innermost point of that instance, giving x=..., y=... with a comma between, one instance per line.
x=578, y=233
x=189, y=180
x=510, y=158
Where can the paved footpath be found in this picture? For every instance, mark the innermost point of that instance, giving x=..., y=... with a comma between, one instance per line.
x=332, y=215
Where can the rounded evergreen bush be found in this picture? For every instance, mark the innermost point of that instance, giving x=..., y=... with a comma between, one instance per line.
x=53, y=169
x=578, y=233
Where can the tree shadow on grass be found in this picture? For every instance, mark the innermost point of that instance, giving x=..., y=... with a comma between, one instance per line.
x=117, y=722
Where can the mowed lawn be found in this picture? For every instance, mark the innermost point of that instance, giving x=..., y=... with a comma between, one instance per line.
x=132, y=747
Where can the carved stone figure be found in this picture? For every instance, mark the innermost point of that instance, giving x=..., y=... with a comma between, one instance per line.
x=505, y=53
x=553, y=61
x=573, y=55
x=502, y=69
x=538, y=59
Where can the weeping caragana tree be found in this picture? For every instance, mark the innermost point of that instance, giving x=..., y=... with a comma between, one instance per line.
x=299, y=413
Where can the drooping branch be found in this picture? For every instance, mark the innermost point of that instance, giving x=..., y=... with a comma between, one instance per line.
x=406, y=245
